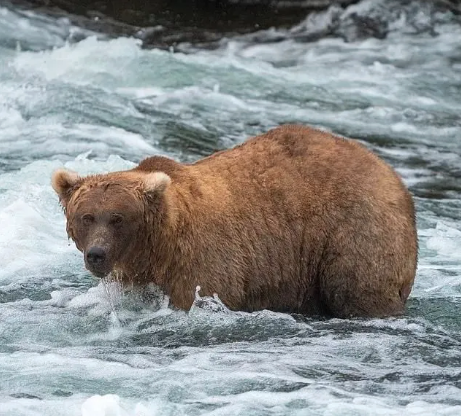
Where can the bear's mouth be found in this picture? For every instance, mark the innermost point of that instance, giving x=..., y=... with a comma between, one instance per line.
x=99, y=271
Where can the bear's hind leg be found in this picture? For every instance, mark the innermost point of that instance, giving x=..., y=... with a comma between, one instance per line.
x=347, y=294
x=363, y=278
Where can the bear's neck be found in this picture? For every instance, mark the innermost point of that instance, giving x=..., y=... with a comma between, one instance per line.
x=165, y=241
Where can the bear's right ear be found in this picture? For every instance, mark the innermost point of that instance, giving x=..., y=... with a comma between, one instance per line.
x=155, y=183
x=64, y=182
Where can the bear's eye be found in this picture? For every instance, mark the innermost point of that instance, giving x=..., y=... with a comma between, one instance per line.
x=87, y=219
x=116, y=219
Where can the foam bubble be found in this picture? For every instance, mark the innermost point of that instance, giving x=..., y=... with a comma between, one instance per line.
x=108, y=405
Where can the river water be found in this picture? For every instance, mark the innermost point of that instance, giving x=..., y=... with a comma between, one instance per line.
x=71, y=346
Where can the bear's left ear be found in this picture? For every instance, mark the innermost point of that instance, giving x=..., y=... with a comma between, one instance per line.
x=64, y=183
x=156, y=183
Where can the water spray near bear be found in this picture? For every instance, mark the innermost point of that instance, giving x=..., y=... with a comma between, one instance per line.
x=294, y=220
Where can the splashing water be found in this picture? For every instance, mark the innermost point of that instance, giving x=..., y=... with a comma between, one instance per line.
x=208, y=303
x=114, y=291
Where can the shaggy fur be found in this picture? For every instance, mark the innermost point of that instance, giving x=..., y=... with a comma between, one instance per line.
x=294, y=220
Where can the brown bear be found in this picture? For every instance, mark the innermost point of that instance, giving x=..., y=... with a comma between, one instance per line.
x=294, y=220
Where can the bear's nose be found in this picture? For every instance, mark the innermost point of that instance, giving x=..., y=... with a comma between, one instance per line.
x=95, y=255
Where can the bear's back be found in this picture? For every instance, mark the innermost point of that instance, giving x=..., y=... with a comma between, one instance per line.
x=318, y=164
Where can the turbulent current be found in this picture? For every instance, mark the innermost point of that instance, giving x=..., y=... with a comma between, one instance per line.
x=71, y=346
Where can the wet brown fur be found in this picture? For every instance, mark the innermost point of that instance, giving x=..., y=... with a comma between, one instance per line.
x=294, y=220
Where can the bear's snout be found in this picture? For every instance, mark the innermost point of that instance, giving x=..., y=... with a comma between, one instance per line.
x=96, y=258
x=96, y=255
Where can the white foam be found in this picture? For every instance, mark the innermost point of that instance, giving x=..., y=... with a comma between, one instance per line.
x=108, y=405
x=445, y=239
x=440, y=262
x=31, y=30
x=66, y=63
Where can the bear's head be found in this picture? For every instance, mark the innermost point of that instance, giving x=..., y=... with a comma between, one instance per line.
x=107, y=215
